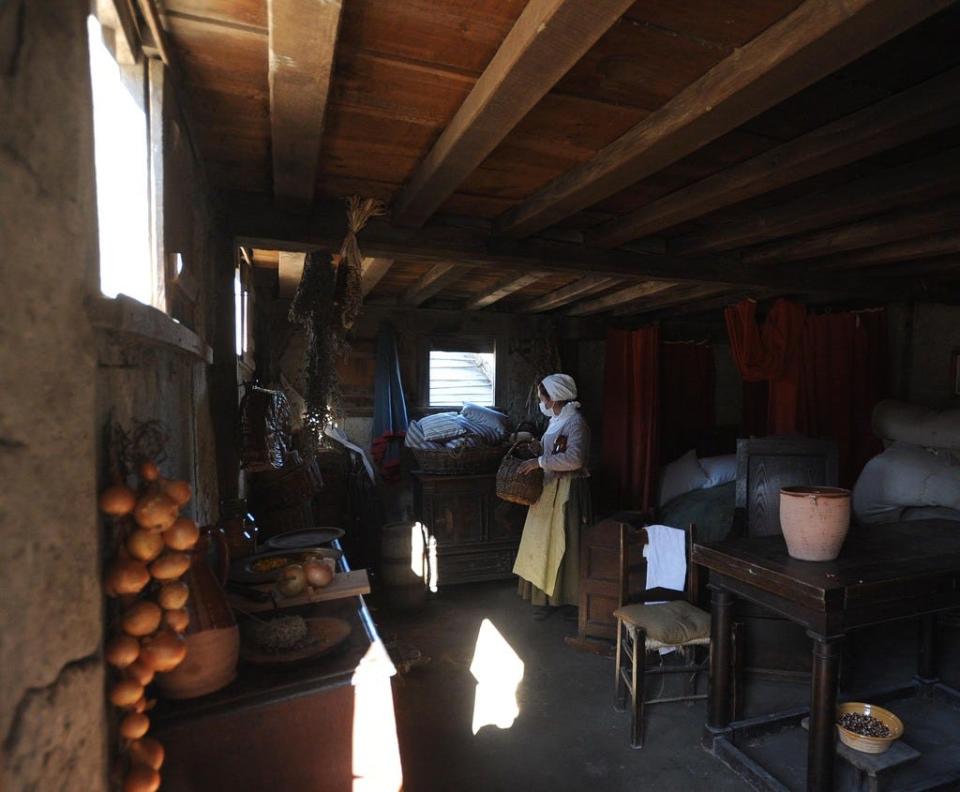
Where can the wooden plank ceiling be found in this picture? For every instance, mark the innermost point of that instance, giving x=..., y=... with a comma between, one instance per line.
x=590, y=157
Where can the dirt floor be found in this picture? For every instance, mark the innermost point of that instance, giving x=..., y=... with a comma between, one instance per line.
x=567, y=735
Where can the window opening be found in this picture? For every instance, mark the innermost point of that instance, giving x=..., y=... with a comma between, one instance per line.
x=458, y=376
x=121, y=158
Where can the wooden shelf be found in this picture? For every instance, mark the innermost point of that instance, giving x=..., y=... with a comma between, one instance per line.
x=127, y=316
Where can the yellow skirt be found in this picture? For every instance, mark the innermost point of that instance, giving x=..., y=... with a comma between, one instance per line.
x=548, y=561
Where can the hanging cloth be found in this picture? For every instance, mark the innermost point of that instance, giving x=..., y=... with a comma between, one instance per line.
x=389, y=406
x=631, y=417
x=772, y=353
x=544, y=540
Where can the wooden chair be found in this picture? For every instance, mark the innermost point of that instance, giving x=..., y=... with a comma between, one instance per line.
x=643, y=628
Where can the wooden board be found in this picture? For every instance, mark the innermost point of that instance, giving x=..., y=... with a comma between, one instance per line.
x=344, y=584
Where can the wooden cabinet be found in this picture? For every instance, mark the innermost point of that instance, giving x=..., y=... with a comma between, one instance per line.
x=477, y=534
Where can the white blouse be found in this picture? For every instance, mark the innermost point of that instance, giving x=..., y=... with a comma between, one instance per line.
x=573, y=459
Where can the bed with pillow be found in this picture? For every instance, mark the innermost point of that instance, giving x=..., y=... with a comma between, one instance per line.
x=700, y=491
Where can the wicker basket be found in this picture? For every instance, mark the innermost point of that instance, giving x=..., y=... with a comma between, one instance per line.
x=289, y=486
x=513, y=486
x=453, y=461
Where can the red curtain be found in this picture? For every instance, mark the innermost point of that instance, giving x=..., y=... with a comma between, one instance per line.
x=772, y=353
x=687, y=378
x=754, y=412
x=630, y=416
x=844, y=365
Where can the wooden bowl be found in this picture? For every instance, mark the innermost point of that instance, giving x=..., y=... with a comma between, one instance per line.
x=872, y=745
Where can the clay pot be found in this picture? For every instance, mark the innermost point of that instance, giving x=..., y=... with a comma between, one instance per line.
x=815, y=521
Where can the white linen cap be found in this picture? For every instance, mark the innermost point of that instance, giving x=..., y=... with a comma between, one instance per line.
x=560, y=387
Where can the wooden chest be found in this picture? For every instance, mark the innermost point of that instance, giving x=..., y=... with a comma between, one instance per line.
x=477, y=534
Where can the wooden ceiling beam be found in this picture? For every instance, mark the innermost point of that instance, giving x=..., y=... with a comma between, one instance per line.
x=584, y=287
x=258, y=224
x=890, y=227
x=693, y=305
x=910, y=115
x=680, y=294
x=946, y=266
x=619, y=297
x=433, y=282
x=548, y=38
x=373, y=270
x=302, y=40
x=816, y=39
x=908, y=250
x=504, y=288
x=890, y=189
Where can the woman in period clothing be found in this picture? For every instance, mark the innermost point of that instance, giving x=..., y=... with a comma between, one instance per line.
x=548, y=559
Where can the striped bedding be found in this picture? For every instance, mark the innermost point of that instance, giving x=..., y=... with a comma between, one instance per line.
x=451, y=431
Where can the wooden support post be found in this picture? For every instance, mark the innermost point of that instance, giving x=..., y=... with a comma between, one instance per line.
x=823, y=713
x=720, y=697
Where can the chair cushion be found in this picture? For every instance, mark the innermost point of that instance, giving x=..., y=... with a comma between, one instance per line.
x=669, y=623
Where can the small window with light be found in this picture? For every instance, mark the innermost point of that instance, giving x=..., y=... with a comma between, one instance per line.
x=462, y=371
x=122, y=163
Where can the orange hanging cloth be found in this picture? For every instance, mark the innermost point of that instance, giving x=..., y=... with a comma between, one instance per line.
x=770, y=352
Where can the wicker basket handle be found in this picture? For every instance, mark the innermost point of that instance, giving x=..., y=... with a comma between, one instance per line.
x=518, y=442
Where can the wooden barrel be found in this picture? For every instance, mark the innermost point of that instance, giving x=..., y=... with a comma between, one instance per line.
x=404, y=565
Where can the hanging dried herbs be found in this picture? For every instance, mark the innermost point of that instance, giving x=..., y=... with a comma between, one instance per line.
x=313, y=307
x=327, y=303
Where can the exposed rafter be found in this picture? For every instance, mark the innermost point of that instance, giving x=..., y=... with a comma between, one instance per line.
x=260, y=225
x=693, y=304
x=584, y=287
x=504, y=288
x=434, y=281
x=373, y=271
x=303, y=37
x=908, y=250
x=879, y=230
x=816, y=39
x=547, y=40
x=678, y=295
x=619, y=297
x=910, y=115
x=925, y=180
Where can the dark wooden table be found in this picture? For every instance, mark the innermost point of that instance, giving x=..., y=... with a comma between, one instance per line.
x=324, y=724
x=883, y=573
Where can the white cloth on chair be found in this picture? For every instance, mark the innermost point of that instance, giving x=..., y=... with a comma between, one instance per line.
x=666, y=556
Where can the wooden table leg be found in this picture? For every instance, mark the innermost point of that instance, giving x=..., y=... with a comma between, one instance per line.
x=927, y=660
x=821, y=746
x=719, y=697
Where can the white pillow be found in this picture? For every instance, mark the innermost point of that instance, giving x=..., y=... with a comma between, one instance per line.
x=680, y=476
x=719, y=469
x=440, y=427
x=486, y=416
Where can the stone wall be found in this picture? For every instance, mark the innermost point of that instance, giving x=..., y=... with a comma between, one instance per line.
x=52, y=722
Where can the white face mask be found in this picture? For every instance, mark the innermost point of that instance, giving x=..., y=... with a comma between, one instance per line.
x=546, y=410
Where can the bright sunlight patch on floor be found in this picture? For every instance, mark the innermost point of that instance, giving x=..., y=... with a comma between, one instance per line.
x=498, y=671
x=376, y=750
x=423, y=555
